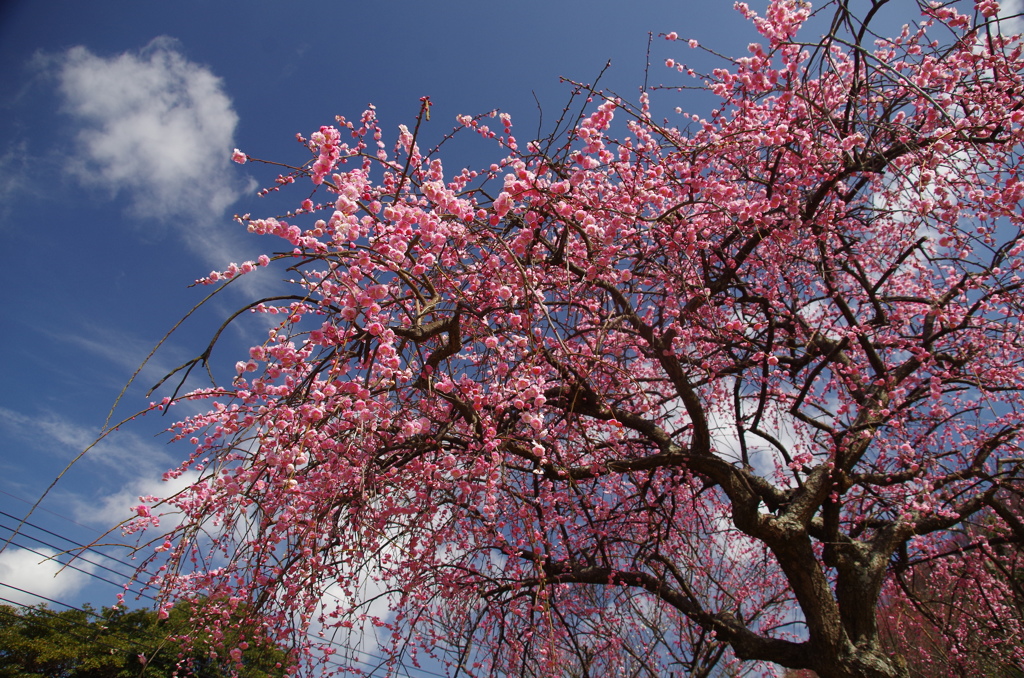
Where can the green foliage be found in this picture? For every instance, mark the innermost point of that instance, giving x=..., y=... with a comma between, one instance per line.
x=44, y=643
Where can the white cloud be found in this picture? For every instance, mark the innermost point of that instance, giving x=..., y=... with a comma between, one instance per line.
x=39, y=573
x=153, y=124
x=159, y=130
x=1010, y=20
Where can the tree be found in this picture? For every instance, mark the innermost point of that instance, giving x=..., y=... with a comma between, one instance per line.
x=935, y=609
x=638, y=392
x=36, y=642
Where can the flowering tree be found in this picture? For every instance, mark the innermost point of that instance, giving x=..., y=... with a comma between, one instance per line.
x=937, y=609
x=639, y=397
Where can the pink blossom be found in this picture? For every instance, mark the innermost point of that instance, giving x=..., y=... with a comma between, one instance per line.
x=688, y=372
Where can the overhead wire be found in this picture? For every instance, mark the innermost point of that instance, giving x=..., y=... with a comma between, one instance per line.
x=77, y=557
x=71, y=564
x=334, y=662
x=373, y=660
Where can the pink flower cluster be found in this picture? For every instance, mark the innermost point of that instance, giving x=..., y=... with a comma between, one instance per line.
x=653, y=391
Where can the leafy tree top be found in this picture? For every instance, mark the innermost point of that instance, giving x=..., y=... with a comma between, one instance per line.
x=37, y=642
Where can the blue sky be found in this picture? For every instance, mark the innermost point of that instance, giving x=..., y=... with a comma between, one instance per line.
x=117, y=122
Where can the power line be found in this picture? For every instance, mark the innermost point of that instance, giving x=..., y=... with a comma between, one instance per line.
x=75, y=567
x=74, y=556
x=379, y=659
x=372, y=660
x=49, y=532
x=78, y=545
x=46, y=510
x=39, y=595
x=402, y=670
x=131, y=567
x=71, y=564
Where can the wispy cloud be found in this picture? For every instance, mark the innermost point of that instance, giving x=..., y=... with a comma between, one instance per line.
x=124, y=351
x=122, y=454
x=116, y=507
x=123, y=466
x=13, y=164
